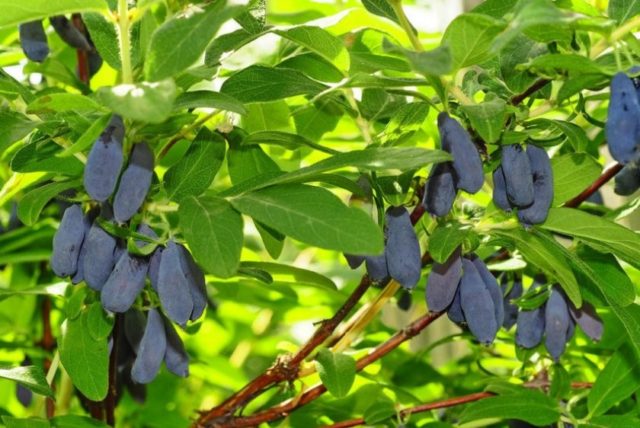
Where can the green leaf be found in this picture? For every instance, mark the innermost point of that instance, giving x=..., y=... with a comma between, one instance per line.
x=76, y=421
x=99, y=323
x=246, y=162
x=226, y=43
x=273, y=240
x=572, y=173
x=42, y=156
x=292, y=274
x=88, y=137
x=621, y=10
x=11, y=422
x=630, y=318
x=85, y=359
x=487, y=118
x=618, y=380
x=104, y=36
x=613, y=421
x=469, y=38
x=406, y=120
x=313, y=215
x=13, y=127
x=31, y=204
x=374, y=159
x=607, y=274
x=208, y=99
x=321, y=42
x=381, y=409
x=14, y=13
x=434, y=62
x=180, y=41
x=146, y=102
x=194, y=173
x=52, y=103
x=254, y=18
x=530, y=406
x=445, y=239
x=381, y=8
x=572, y=64
x=284, y=139
x=31, y=377
x=337, y=371
x=259, y=83
x=546, y=256
x=576, y=136
x=213, y=230
x=595, y=230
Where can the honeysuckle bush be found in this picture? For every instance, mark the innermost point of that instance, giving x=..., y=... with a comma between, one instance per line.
x=205, y=280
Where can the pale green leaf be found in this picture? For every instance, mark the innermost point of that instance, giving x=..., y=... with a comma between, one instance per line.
x=15, y=12
x=337, y=371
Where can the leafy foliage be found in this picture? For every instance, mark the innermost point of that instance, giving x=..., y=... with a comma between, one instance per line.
x=201, y=176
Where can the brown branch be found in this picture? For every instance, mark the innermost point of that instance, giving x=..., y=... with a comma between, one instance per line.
x=109, y=402
x=81, y=54
x=285, y=368
x=48, y=343
x=607, y=175
x=442, y=404
x=535, y=87
x=283, y=409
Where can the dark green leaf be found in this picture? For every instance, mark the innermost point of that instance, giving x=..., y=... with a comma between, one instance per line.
x=260, y=83
x=208, y=99
x=313, y=215
x=592, y=229
x=85, y=359
x=31, y=205
x=618, y=380
x=213, y=230
x=180, y=41
x=194, y=173
x=530, y=406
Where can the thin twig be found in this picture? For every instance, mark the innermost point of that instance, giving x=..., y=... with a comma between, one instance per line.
x=109, y=402
x=81, y=54
x=607, y=175
x=285, y=368
x=537, y=85
x=283, y=409
x=442, y=404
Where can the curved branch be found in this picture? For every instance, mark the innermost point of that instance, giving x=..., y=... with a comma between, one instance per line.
x=441, y=404
x=281, y=410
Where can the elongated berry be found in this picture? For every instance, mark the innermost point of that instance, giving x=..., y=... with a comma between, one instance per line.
x=440, y=191
x=134, y=183
x=556, y=324
x=623, y=119
x=518, y=176
x=500, y=190
x=477, y=304
x=442, y=282
x=466, y=158
x=152, y=349
x=543, y=187
x=67, y=242
x=124, y=283
x=33, y=41
x=173, y=285
x=402, y=250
